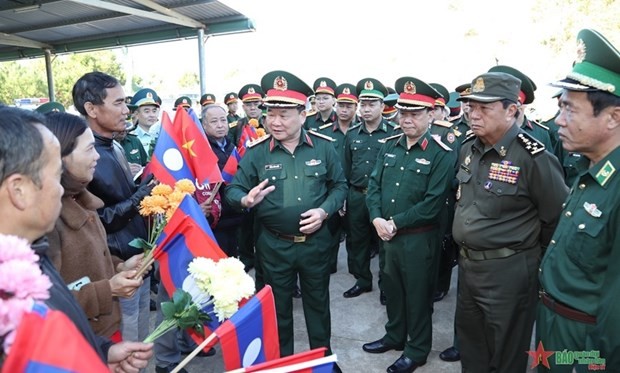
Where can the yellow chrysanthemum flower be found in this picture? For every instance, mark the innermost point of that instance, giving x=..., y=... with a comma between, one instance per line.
x=260, y=132
x=161, y=190
x=152, y=205
x=253, y=122
x=185, y=186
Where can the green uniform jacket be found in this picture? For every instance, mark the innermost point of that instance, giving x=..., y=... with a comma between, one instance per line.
x=312, y=177
x=314, y=121
x=410, y=185
x=581, y=267
x=232, y=117
x=134, y=151
x=360, y=151
x=509, y=195
x=333, y=130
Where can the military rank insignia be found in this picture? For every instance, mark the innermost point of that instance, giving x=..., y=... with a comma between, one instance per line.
x=592, y=209
x=605, y=173
x=504, y=172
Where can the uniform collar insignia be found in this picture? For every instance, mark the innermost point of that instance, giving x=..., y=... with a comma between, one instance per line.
x=605, y=173
x=424, y=144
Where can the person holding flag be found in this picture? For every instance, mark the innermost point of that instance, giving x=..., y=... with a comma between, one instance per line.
x=293, y=181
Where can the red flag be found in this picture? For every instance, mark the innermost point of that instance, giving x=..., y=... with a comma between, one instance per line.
x=183, y=152
x=47, y=341
x=301, y=357
x=250, y=336
x=230, y=168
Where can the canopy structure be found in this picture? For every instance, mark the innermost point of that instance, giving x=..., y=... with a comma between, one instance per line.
x=41, y=28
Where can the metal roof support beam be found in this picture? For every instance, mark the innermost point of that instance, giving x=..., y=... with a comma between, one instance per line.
x=201, y=61
x=50, y=76
x=169, y=12
x=137, y=12
x=18, y=41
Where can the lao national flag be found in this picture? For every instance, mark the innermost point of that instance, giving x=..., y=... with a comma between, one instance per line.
x=186, y=236
x=167, y=163
x=230, y=168
x=250, y=336
x=288, y=361
x=320, y=365
x=247, y=134
x=48, y=342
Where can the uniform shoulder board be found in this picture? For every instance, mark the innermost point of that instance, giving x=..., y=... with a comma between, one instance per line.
x=469, y=135
x=325, y=125
x=386, y=139
x=311, y=113
x=397, y=127
x=312, y=132
x=233, y=124
x=393, y=124
x=442, y=123
x=540, y=125
x=355, y=126
x=530, y=144
x=438, y=141
x=258, y=141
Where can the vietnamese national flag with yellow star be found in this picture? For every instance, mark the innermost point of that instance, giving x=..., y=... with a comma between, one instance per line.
x=183, y=152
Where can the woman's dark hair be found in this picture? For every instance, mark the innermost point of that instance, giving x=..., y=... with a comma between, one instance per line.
x=67, y=128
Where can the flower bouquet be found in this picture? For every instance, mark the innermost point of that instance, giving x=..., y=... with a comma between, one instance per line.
x=21, y=284
x=260, y=132
x=222, y=284
x=158, y=207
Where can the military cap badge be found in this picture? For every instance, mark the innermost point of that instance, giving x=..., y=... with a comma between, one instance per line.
x=410, y=88
x=251, y=90
x=346, y=91
x=280, y=84
x=368, y=85
x=478, y=86
x=581, y=51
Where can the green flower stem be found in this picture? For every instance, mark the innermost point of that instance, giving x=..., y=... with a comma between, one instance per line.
x=163, y=328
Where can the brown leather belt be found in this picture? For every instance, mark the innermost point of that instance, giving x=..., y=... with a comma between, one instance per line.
x=288, y=237
x=564, y=310
x=476, y=255
x=415, y=230
x=359, y=189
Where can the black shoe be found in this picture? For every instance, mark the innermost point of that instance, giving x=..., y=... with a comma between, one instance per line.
x=297, y=292
x=404, y=365
x=356, y=291
x=169, y=369
x=450, y=354
x=382, y=298
x=378, y=347
x=152, y=305
x=202, y=353
x=439, y=295
x=336, y=369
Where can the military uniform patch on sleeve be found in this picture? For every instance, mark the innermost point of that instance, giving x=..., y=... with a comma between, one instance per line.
x=258, y=141
x=530, y=144
x=312, y=132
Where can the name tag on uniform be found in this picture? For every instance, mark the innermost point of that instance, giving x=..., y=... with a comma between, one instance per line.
x=313, y=162
x=389, y=155
x=133, y=151
x=271, y=167
x=357, y=141
x=423, y=161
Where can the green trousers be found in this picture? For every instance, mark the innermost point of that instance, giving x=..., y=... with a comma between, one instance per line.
x=362, y=234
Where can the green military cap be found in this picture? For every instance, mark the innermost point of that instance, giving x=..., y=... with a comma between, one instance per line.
x=251, y=92
x=230, y=98
x=452, y=102
x=346, y=92
x=389, y=110
x=596, y=67
x=283, y=89
x=491, y=87
x=526, y=95
x=325, y=85
x=371, y=89
x=144, y=97
x=206, y=99
x=464, y=89
x=184, y=101
x=414, y=94
x=312, y=99
x=443, y=91
x=49, y=107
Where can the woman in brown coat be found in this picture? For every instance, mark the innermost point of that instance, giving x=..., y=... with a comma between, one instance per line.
x=78, y=246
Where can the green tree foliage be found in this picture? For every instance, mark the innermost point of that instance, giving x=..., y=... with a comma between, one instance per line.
x=26, y=78
x=189, y=80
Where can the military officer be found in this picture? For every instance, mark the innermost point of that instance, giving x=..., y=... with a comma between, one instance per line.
x=406, y=194
x=325, y=98
x=360, y=154
x=503, y=220
x=146, y=117
x=390, y=112
x=184, y=101
x=580, y=271
x=293, y=181
x=251, y=96
x=231, y=100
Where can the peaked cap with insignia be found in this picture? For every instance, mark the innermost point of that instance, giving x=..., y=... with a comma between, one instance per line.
x=184, y=101
x=596, y=67
x=443, y=91
x=251, y=92
x=144, y=97
x=346, y=92
x=325, y=85
x=283, y=89
x=526, y=95
x=207, y=99
x=370, y=89
x=414, y=94
x=230, y=98
x=491, y=87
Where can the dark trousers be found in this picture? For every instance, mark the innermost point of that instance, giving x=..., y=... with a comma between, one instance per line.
x=283, y=262
x=362, y=234
x=496, y=308
x=409, y=282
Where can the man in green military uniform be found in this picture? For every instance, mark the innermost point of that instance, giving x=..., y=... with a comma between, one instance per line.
x=360, y=154
x=325, y=97
x=293, y=181
x=146, y=117
x=251, y=96
x=504, y=218
x=580, y=271
x=406, y=194
x=346, y=107
x=232, y=102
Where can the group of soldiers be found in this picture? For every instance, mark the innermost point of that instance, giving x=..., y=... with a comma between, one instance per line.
x=430, y=178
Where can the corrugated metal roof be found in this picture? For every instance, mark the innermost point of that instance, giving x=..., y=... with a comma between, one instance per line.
x=28, y=27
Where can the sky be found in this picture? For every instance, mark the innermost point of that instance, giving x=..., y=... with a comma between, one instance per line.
x=442, y=41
